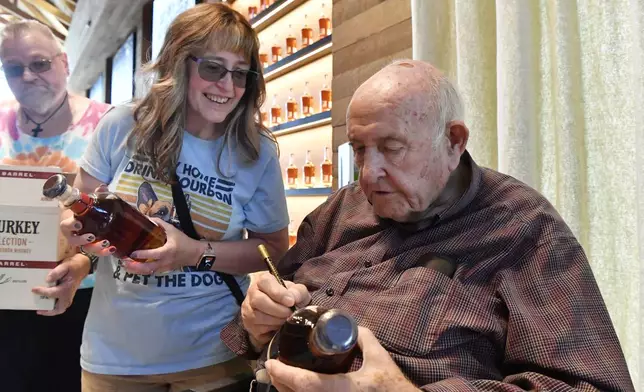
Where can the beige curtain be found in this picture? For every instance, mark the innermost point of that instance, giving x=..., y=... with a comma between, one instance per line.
x=554, y=96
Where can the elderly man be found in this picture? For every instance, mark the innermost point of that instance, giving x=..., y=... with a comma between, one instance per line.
x=461, y=278
x=45, y=126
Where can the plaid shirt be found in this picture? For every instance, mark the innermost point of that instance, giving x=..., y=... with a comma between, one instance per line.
x=520, y=310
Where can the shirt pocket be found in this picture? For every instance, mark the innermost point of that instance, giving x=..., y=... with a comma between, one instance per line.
x=434, y=313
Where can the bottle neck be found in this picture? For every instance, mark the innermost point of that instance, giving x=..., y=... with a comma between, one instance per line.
x=75, y=200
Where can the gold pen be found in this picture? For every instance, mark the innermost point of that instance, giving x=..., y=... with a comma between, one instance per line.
x=271, y=268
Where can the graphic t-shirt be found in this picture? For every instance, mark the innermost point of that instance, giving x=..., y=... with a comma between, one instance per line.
x=64, y=150
x=169, y=323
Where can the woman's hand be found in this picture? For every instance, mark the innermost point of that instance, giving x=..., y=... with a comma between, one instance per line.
x=70, y=228
x=178, y=251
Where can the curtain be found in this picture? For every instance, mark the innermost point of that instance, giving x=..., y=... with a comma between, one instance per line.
x=554, y=96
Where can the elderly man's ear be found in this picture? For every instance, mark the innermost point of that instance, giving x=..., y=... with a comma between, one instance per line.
x=457, y=135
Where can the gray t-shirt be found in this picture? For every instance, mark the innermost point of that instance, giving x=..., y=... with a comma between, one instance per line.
x=140, y=325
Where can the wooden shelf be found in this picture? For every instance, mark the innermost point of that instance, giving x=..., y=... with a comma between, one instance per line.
x=273, y=13
x=299, y=59
x=308, y=192
x=302, y=124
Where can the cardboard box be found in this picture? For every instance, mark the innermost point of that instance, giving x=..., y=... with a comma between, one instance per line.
x=30, y=241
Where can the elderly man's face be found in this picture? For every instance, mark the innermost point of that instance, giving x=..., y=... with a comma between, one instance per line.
x=402, y=171
x=35, y=91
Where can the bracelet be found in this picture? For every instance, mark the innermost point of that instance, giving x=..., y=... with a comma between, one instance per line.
x=93, y=259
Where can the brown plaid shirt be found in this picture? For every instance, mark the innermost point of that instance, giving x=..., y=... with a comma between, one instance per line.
x=521, y=311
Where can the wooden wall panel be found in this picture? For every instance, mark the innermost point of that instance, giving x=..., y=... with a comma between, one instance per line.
x=367, y=35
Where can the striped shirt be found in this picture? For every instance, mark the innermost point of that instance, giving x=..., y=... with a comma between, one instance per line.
x=494, y=293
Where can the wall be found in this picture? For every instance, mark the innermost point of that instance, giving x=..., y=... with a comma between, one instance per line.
x=367, y=34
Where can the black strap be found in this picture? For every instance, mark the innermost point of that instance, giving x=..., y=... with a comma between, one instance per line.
x=189, y=229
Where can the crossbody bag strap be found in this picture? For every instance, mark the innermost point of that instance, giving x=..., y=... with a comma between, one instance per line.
x=189, y=229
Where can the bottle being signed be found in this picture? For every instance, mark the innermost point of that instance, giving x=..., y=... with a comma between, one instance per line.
x=320, y=340
x=108, y=217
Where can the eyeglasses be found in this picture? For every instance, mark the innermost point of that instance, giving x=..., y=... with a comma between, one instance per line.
x=212, y=71
x=36, y=66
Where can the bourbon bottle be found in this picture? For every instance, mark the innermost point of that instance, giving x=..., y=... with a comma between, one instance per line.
x=276, y=112
x=309, y=170
x=276, y=51
x=292, y=234
x=291, y=172
x=324, y=24
x=265, y=121
x=291, y=107
x=252, y=12
x=307, y=35
x=263, y=4
x=307, y=101
x=327, y=169
x=108, y=217
x=325, y=96
x=320, y=340
x=291, y=42
x=263, y=56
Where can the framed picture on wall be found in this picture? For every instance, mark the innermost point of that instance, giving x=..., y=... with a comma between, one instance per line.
x=122, y=80
x=163, y=13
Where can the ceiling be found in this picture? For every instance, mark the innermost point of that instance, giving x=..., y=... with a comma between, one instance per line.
x=57, y=14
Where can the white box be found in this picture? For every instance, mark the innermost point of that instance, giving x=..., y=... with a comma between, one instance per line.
x=30, y=241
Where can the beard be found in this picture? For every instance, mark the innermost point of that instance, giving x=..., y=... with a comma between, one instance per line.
x=36, y=99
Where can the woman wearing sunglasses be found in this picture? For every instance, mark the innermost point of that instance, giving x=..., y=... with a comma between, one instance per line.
x=155, y=326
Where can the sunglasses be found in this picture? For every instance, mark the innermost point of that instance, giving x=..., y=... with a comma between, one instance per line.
x=212, y=71
x=36, y=66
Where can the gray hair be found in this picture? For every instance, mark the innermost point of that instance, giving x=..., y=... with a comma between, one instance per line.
x=20, y=27
x=449, y=107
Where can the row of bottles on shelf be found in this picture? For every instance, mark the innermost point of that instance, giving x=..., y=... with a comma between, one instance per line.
x=306, y=39
x=292, y=234
x=309, y=179
x=295, y=110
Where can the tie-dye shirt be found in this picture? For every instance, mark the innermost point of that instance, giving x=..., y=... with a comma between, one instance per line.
x=64, y=150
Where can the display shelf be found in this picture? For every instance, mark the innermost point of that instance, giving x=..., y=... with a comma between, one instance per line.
x=302, y=124
x=273, y=13
x=309, y=192
x=299, y=59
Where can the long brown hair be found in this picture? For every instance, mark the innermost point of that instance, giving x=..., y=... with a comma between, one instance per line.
x=161, y=114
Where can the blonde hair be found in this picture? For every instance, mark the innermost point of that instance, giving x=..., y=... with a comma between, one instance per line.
x=160, y=114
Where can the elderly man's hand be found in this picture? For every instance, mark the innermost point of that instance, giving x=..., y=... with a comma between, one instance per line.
x=378, y=373
x=267, y=306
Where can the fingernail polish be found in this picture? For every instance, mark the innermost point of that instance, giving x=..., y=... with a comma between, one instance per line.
x=90, y=238
x=78, y=226
x=111, y=249
x=105, y=243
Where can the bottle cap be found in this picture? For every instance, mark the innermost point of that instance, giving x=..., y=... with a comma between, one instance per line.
x=55, y=186
x=335, y=332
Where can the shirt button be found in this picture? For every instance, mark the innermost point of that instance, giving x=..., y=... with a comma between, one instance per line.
x=329, y=292
x=367, y=264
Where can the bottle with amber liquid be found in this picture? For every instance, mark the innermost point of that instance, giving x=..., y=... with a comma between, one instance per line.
x=291, y=42
x=320, y=340
x=264, y=117
x=307, y=101
x=263, y=56
x=307, y=35
x=263, y=4
x=276, y=112
x=252, y=12
x=309, y=170
x=325, y=96
x=291, y=107
x=291, y=172
x=292, y=234
x=108, y=217
x=327, y=169
x=324, y=24
x=276, y=51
